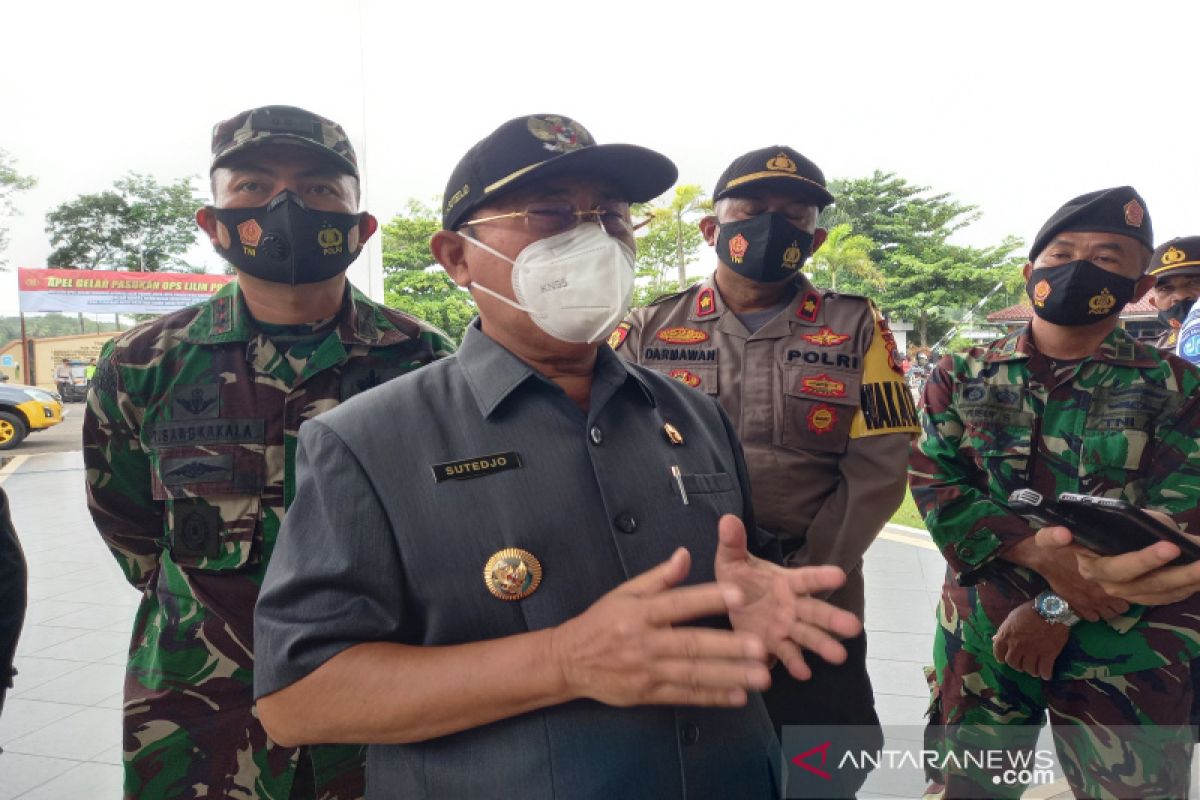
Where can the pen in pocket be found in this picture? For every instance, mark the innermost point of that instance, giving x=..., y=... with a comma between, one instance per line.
x=679, y=482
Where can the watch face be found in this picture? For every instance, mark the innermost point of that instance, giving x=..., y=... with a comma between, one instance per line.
x=1054, y=606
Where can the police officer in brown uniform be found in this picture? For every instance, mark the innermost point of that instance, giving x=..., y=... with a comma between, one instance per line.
x=812, y=382
x=1176, y=265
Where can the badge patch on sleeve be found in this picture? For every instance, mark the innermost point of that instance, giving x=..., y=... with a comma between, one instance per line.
x=477, y=467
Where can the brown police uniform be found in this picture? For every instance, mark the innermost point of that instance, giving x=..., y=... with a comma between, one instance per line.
x=818, y=402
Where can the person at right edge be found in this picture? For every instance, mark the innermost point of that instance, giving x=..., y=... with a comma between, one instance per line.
x=811, y=380
x=1175, y=266
x=1070, y=403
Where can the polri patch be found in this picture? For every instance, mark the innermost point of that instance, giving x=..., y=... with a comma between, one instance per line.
x=706, y=303
x=681, y=335
x=477, y=467
x=826, y=337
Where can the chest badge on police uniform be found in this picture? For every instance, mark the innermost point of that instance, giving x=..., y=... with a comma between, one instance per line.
x=672, y=433
x=512, y=574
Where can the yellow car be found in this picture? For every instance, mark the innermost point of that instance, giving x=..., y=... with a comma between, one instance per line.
x=24, y=409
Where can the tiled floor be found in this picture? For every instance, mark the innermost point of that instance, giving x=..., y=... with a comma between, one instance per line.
x=61, y=725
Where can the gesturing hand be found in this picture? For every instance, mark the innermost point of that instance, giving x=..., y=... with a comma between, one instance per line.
x=623, y=651
x=777, y=605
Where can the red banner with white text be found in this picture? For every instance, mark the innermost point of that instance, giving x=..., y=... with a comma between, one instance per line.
x=110, y=292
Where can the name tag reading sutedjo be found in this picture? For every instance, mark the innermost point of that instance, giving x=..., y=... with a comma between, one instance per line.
x=476, y=467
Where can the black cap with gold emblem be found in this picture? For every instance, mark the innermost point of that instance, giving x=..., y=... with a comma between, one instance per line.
x=1118, y=210
x=1179, y=256
x=777, y=167
x=540, y=146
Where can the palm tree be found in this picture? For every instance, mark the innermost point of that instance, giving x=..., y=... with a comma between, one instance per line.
x=846, y=253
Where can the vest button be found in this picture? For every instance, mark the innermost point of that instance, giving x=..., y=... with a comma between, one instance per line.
x=625, y=522
x=595, y=435
x=689, y=733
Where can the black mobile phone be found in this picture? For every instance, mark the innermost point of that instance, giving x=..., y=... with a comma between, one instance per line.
x=1108, y=527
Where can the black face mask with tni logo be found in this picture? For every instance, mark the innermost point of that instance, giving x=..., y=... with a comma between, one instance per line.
x=287, y=242
x=1078, y=293
x=766, y=248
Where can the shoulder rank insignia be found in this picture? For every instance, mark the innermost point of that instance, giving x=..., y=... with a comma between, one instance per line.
x=706, y=302
x=809, y=306
x=476, y=467
x=617, y=337
x=825, y=337
x=679, y=335
x=512, y=574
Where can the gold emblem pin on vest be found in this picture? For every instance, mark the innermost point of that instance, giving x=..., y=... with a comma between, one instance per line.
x=512, y=574
x=672, y=433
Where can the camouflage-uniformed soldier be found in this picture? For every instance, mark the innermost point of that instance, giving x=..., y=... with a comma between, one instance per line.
x=189, y=441
x=1069, y=404
x=1175, y=266
x=812, y=382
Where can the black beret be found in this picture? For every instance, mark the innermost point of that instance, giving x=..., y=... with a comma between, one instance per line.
x=1119, y=210
x=1180, y=256
x=777, y=167
x=540, y=146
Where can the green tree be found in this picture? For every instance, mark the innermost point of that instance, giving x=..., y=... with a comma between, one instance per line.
x=928, y=280
x=139, y=225
x=670, y=239
x=11, y=182
x=412, y=281
x=845, y=254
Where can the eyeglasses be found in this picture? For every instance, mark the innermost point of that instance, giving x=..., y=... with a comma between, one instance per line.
x=549, y=219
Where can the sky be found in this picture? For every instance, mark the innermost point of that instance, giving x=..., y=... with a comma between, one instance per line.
x=1012, y=106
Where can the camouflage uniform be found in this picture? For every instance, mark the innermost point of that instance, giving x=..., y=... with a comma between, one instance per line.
x=1122, y=424
x=189, y=441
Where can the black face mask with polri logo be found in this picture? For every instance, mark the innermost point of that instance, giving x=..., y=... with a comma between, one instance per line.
x=287, y=242
x=765, y=248
x=1078, y=293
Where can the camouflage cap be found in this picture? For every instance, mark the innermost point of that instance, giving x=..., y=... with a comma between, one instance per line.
x=282, y=125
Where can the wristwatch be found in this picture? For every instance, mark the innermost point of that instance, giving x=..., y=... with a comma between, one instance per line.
x=1054, y=609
